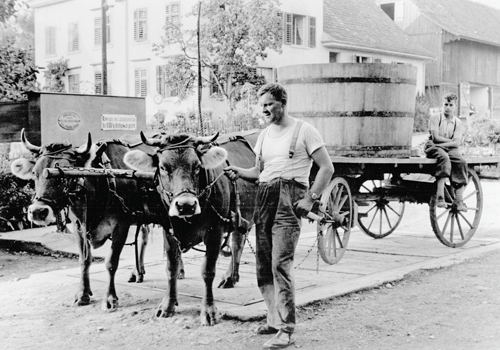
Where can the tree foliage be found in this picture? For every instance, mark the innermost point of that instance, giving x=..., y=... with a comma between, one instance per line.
x=234, y=35
x=54, y=74
x=7, y=9
x=17, y=72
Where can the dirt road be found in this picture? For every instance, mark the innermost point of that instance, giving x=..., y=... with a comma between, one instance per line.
x=451, y=308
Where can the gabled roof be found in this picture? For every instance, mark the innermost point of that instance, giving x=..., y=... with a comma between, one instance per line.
x=467, y=19
x=362, y=23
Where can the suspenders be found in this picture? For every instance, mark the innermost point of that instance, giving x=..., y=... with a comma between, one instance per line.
x=454, y=125
x=291, y=151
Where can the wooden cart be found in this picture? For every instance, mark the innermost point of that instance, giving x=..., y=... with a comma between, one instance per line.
x=372, y=192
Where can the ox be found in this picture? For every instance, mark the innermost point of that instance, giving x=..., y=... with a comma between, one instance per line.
x=201, y=205
x=99, y=209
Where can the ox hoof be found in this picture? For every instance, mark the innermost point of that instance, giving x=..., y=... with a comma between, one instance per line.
x=109, y=303
x=226, y=283
x=167, y=311
x=210, y=317
x=82, y=299
x=136, y=278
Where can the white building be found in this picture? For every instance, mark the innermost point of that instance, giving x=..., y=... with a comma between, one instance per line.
x=315, y=31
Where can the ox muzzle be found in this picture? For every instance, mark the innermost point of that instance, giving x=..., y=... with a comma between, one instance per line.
x=41, y=214
x=184, y=204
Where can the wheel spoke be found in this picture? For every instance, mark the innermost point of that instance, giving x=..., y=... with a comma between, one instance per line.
x=452, y=227
x=460, y=228
x=387, y=217
x=443, y=213
x=369, y=210
x=467, y=221
x=337, y=235
x=373, y=218
x=366, y=188
x=447, y=221
x=394, y=211
x=471, y=194
x=380, y=223
x=342, y=202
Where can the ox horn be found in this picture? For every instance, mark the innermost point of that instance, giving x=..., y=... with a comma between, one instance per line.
x=150, y=141
x=28, y=145
x=206, y=139
x=87, y=149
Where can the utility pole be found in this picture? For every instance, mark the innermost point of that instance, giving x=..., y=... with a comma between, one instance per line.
x=202, y=131
x=104, y=42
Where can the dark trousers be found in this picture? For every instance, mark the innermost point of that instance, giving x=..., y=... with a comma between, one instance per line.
x=277, y=234
x=450, y=163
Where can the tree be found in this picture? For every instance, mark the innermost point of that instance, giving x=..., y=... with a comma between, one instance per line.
x=54, y=74
x=7, y=9
x=234, y=35
x=17, y=72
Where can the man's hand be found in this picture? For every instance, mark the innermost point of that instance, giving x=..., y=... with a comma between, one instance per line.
x=304, y=205
x=232, y=172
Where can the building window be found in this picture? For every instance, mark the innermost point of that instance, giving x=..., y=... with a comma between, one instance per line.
x=362, y=59
x=299, y=30
x=73, y=38
x=98, y=31
x=267, y=73
x=50, y=41
x=172, y=18
x=140, y=25
x=98, y=83
x=161, y=86
x=498, y=70
x=141, y=82
x=333, y=57
x=388, y=9
x=74, y=83
x=377, y=60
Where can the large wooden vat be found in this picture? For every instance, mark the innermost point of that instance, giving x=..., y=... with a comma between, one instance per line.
x=361, y=110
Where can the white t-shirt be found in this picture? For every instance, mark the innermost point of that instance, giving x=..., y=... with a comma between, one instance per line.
x=275, y=154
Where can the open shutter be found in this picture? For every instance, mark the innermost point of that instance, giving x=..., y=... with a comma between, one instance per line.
x=312, y=31
x=160, y=84
x=140, y=25
x=495, y=102
x=288, y=28
x=98, y=83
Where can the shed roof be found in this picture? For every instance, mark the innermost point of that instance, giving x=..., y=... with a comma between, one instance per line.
x=362, y=23
x=467, y=19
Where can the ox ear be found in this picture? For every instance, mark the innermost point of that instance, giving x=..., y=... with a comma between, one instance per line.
x=141, y=161
x=214, y=157
x=22, y=168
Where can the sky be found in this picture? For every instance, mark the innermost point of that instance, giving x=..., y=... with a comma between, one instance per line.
x=492, y=3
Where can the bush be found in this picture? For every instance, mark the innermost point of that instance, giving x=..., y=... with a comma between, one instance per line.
x=15, y=197
x=422, y=114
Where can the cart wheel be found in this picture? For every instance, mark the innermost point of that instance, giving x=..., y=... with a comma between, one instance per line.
x=378, y=218
x=454, y=228
x=333, y=236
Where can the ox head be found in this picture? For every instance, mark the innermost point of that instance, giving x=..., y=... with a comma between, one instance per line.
x=178, y=162
x=51, y=195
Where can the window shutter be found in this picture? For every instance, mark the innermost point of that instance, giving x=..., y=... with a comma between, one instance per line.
x=74, y=83
x=137, y=82
x=97, y=31
x=140, y=25
x=160, y=84
x=140, y=82
x=144, y=83
x=98, y=83
x=288, y=28
x=74, y=38
x=312, y=31
x=50, y=41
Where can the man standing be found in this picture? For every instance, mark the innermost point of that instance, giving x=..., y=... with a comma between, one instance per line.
x=445, y=136
x=286, y=148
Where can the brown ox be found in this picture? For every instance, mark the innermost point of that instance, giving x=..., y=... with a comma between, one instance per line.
x=201, y=202
x=99, y=209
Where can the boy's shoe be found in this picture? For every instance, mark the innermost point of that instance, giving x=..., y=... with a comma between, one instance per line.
x=279, y=341
x=461, y=206
x=266, y=329
x=440, y=203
